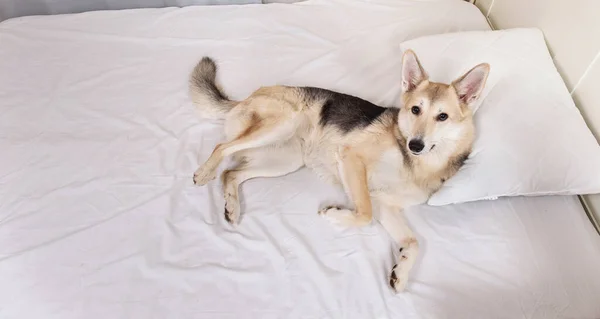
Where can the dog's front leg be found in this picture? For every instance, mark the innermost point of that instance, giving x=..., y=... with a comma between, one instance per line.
x=353, y=174
x=393, y=220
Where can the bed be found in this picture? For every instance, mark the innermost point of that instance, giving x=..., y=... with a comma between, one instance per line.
x=99, y=217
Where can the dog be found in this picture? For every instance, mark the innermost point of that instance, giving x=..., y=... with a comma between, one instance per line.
x=384, y=157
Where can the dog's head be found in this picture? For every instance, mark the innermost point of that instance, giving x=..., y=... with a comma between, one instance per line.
x=437, y=115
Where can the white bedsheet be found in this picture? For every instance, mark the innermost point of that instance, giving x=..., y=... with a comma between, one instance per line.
x=99, y=217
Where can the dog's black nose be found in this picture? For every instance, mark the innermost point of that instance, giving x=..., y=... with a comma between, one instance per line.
x=416, y=145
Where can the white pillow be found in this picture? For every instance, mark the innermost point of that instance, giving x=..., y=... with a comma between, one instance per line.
x=531, y=139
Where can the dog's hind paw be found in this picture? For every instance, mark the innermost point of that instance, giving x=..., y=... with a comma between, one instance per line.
x=232, y=211
x=202, y=176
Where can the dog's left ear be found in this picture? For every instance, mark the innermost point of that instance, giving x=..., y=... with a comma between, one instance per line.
x=412, y=71
x=469, y=86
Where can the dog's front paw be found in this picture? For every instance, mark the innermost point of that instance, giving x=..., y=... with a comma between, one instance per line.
x=323, y=211
x=397, y=280
x=204, y=175
x=338, y=215
x=406, y=260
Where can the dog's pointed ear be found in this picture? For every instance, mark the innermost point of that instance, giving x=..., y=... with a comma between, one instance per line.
x=412, y=71
x=469, y=86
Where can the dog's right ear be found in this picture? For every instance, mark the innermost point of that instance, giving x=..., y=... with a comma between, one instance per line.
x=412, y=71
x=469, y=86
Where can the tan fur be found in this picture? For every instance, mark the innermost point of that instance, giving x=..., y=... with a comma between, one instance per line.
x=274, y=132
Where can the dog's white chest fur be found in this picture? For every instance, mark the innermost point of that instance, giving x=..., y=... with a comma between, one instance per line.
x=389, y=182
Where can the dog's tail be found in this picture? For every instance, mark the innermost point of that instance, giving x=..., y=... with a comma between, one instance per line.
x=210, y=100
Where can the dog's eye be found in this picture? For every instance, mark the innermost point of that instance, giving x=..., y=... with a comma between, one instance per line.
x=442, y=117
x=415, y=110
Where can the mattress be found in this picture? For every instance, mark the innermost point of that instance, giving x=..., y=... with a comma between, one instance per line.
x=99, y=217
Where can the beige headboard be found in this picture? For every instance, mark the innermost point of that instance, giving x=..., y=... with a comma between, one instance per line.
x=572, y=32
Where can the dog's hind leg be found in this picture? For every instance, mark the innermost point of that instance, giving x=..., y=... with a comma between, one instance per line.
x=258, y=132
x=392, y=219
x=268, y=161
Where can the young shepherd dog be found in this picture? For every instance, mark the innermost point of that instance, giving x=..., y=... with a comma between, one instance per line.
x=389, y=158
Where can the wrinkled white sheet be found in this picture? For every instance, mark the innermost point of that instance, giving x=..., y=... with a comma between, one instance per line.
x=99, y=218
